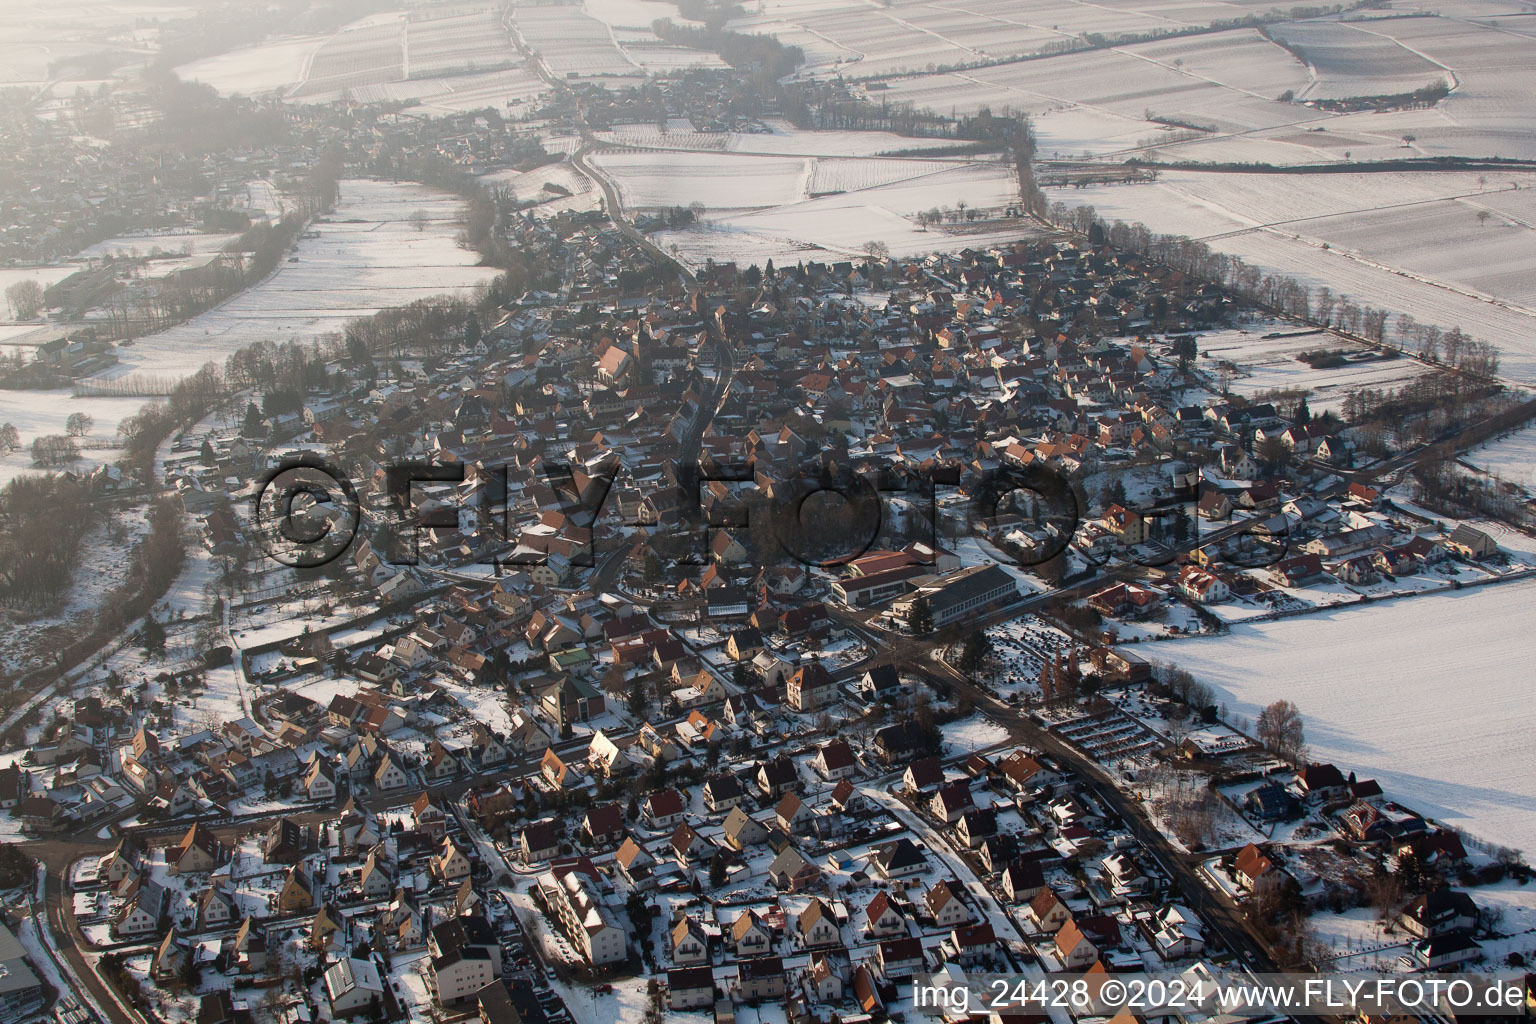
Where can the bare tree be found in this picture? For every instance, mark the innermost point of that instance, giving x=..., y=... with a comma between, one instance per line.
x=25, y=298
x=877, y=250
x=1279, y=728
x=418, y=220
x=79, y=424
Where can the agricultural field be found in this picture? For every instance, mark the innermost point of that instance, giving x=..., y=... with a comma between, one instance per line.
x=367, y=256
x=456, y=44
x=571, y=44
x=1370, y=681
x=779, y=138
x=647, y=180
x=849, y=38
x=1115, y=82
x=271, y=67
x=528, y=186
x=442, y=63
x=368, y=54
x=840, y=225
x=831, y=174
x=1354, y=60
x=1511, y=457
x=1268, y=363
x=1447, y=248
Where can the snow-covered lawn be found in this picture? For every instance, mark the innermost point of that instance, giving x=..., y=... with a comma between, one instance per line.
x=1429, y=694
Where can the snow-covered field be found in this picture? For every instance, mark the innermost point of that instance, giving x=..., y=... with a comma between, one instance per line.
x=714, y=179
x=1267, y=364
x=1355, y=60
x=271, y=67
x=781, y=139
x=1511, y=458
x=367, y=257
x=36, y=413
x=1447, y=248
x=1428, y=694
x=454, y=61
x=841, y=224
x=570, y=42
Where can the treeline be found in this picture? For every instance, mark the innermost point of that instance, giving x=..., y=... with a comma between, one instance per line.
x=425, y=327
x=1405, y=408
x=43, y=520
x=738, y=49
x=190, y=400
x=180, y=296
x=1424, y=96
x=825, y=106
x=266, y=366
x=194, y=119
x=1279, y=293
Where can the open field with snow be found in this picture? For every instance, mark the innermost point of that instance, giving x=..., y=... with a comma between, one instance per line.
x=850, y=38
x=528, y=186
x=1374, y=685
x=1267, y=364
x=570, y=42
x=1512, y=457
x=1447, y=248
x=270, y=67
x=36, y=413
x=714, y=179
x=1354, y=60
x=367, y=257
x=840, y=224
x=446, y=63
x=781, y=139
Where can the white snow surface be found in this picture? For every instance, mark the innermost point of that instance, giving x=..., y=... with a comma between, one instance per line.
x=1430, y=695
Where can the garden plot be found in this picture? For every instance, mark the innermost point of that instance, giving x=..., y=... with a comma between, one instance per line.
x=720, y=181
x=1354, y=60
x=367, y=257
x=1371, y=682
